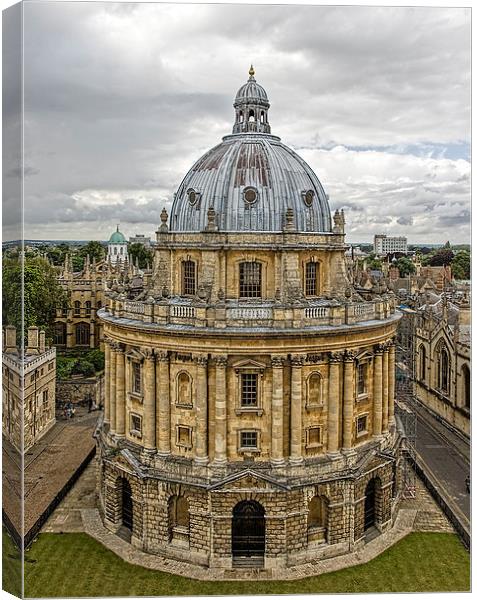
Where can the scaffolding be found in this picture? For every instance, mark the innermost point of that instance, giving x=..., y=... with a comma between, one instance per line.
x=405, y=401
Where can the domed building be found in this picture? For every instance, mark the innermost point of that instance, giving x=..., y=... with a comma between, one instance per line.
x=249, y=412
x=117, y=247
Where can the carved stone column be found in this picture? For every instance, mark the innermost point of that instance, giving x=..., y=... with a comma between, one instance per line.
x=107, y=387
x=149, y=426
x=201, y=438
x=334, y=403
x=112, y=388
x=378, y=391
x=120, y=392
x=385, y=426
x=163, y=405
x=296, y=410
x=348, y=400
x=277, y=411
x=392, y=381
x=220, y=410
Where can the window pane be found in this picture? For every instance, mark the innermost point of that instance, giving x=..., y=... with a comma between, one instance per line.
x=249, y=389
x=248, y=439
x=188, y=278
x=250, y=280
x=311, y=279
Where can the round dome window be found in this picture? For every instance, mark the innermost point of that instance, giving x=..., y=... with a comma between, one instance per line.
x=308, y=197
x=250, y=195
x=192, y=195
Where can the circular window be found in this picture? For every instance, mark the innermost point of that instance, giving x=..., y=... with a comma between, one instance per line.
x=192, y=195
x=250, y=195
x=308, y=197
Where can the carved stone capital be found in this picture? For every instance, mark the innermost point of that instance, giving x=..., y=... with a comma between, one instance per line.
x=379, y=348
x=148, y=353
x=201, y=360
x=220, y=361
x=162, y=356
x=335, y=357
x=349, y=355
x=278, y=362
x=297, y=360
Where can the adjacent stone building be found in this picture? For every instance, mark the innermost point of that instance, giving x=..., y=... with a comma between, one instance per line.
x=249, y=389
x=28, y=388
x=442, y=358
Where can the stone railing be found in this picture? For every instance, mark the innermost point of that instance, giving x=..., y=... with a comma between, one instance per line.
x=236, y=315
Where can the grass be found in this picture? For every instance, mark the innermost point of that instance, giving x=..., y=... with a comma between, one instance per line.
x=11, y=565
x=74, y=564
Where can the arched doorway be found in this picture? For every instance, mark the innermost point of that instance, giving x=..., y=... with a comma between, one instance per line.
x=248, y=529
x=370, y=505
x=126, y=505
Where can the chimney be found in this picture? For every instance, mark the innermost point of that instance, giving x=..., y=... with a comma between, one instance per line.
x=32, y=347
x=42, y=344
x=10, y=339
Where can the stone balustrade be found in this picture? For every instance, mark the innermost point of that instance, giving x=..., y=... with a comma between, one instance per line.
x=246, y=315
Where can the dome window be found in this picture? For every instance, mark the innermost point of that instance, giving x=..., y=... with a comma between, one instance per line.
x=308, y=197
x=250, y=195
x=193, y=196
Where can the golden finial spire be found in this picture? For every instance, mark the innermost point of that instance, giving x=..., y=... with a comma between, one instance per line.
x=251, y=71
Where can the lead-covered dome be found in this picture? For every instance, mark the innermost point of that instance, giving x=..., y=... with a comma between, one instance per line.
x=251, y=180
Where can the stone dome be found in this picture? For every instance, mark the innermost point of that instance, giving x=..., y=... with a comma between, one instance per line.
x=251, y=180
x=117, y=237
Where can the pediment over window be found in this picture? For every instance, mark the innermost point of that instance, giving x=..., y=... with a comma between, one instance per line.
x=248, y=480
x=365, y=355
x=250, y=364
x=134, y=354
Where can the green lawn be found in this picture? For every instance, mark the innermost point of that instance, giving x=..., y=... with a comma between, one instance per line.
x=11, y=565
x=74, y=564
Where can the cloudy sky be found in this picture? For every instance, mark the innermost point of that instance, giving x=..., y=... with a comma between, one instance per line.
x=121, y=99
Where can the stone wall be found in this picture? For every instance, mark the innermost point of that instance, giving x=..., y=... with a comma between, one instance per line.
x=77, y=389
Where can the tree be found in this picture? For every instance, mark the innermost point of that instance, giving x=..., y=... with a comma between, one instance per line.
x=405, y=266
x=461, y=265
x=374, y=263
x=443, y=256
x=42, y=293
x=140, y=252
x=95, y=250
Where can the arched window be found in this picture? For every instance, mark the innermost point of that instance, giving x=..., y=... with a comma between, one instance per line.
x=121, y=250
x=251, y=116
x=241, y=117
x=317, y=519
x=60, y=334
x=250, y=280
x=188, y=278
x=466, y=386
x=314, y=389
x=422, y=363
x=262, y=117
x=77, y=311
x=178, y=511
x=311, y=279
x=443, y=369
x=98, y=304
x=115, y=250
x=82, y=334
x=184, y=389
x=88, y=308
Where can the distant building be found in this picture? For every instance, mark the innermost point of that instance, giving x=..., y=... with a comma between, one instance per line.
x=384, y=244
x=442, y=358
x=140, y=239
x=117, y=247
x=32, y=378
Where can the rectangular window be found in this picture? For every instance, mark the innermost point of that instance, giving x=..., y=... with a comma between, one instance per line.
x=361, y=424
x=250, y=280
x=249, y=389
x=313, y=437
x=311, y=279
x=136, y=378
x=45, y=398
x=248, y=439
x=50, y=366
x=183, y=437
x=136, y=424
x=361, y=379
x=188, y=278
